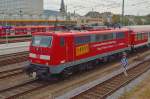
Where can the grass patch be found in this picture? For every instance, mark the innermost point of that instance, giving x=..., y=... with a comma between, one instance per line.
x=141, y=91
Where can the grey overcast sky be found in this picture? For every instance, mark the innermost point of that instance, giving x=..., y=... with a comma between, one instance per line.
x=132, y=7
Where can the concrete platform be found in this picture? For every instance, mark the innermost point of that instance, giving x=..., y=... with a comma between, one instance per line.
x=14, y=47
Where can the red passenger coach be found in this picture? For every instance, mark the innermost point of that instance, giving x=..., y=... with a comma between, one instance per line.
x=140, y=36
x=5, y=30
x=63, y=53
x=1, y=31
x=20, y=31
x=14, y=31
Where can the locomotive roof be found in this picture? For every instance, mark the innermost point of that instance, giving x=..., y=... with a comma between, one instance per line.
x=65, y=33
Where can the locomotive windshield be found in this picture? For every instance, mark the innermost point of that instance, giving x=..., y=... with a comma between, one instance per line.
x=42, y=41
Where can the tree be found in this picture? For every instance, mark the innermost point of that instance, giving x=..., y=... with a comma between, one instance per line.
x=138, y=21
x=115, y=19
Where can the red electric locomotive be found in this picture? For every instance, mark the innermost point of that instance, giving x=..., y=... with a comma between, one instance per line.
x=63, y=53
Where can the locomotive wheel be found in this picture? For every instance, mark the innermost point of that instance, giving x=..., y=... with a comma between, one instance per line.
x=28, y=71
x=89, y=65
x=66, y=73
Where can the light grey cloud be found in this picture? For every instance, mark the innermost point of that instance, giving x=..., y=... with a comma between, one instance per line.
x=134, y=7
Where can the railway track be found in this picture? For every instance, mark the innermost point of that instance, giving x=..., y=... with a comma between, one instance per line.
x=57, y=90
x=30, y=86
x=101, y=91
x=13, y=58
x=27, y=87
x=9, y=73
x=14, y=40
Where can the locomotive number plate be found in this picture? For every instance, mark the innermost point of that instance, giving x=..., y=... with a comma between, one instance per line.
x=80, y=50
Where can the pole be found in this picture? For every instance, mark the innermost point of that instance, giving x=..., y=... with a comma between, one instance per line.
x=7, y=31
x=123, y=12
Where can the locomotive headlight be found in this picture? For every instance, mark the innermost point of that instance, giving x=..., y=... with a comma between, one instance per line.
x=32, y=55
x=45, y=57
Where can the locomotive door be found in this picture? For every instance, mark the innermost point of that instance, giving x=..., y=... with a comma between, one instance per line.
x=69, y=49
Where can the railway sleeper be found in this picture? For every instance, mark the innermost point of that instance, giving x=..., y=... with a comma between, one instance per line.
x=93, y=94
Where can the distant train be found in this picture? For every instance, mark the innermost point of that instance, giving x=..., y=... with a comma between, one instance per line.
x=62, y=53
x=19, y=31
x=14, y=31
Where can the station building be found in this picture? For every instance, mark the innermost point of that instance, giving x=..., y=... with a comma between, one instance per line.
x=21, y=7
x=29, y=12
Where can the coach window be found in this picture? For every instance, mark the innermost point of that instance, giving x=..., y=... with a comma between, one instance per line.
x=62, y=41
x=136, y=37
x=12, y=31
x=139, y=36
x=7, y=31
x=142, y=36
x=120, y=35
x=145, y=35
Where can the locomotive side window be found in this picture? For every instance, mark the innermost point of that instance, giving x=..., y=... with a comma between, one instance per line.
x=93, y=38
x=42, y=41
x=62, y=41
x=108, y=36
x=99, y=37
x=103, y=37
x=82, y=40
x=120, y=35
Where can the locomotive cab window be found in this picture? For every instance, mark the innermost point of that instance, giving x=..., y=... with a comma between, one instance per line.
x=41, y=41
